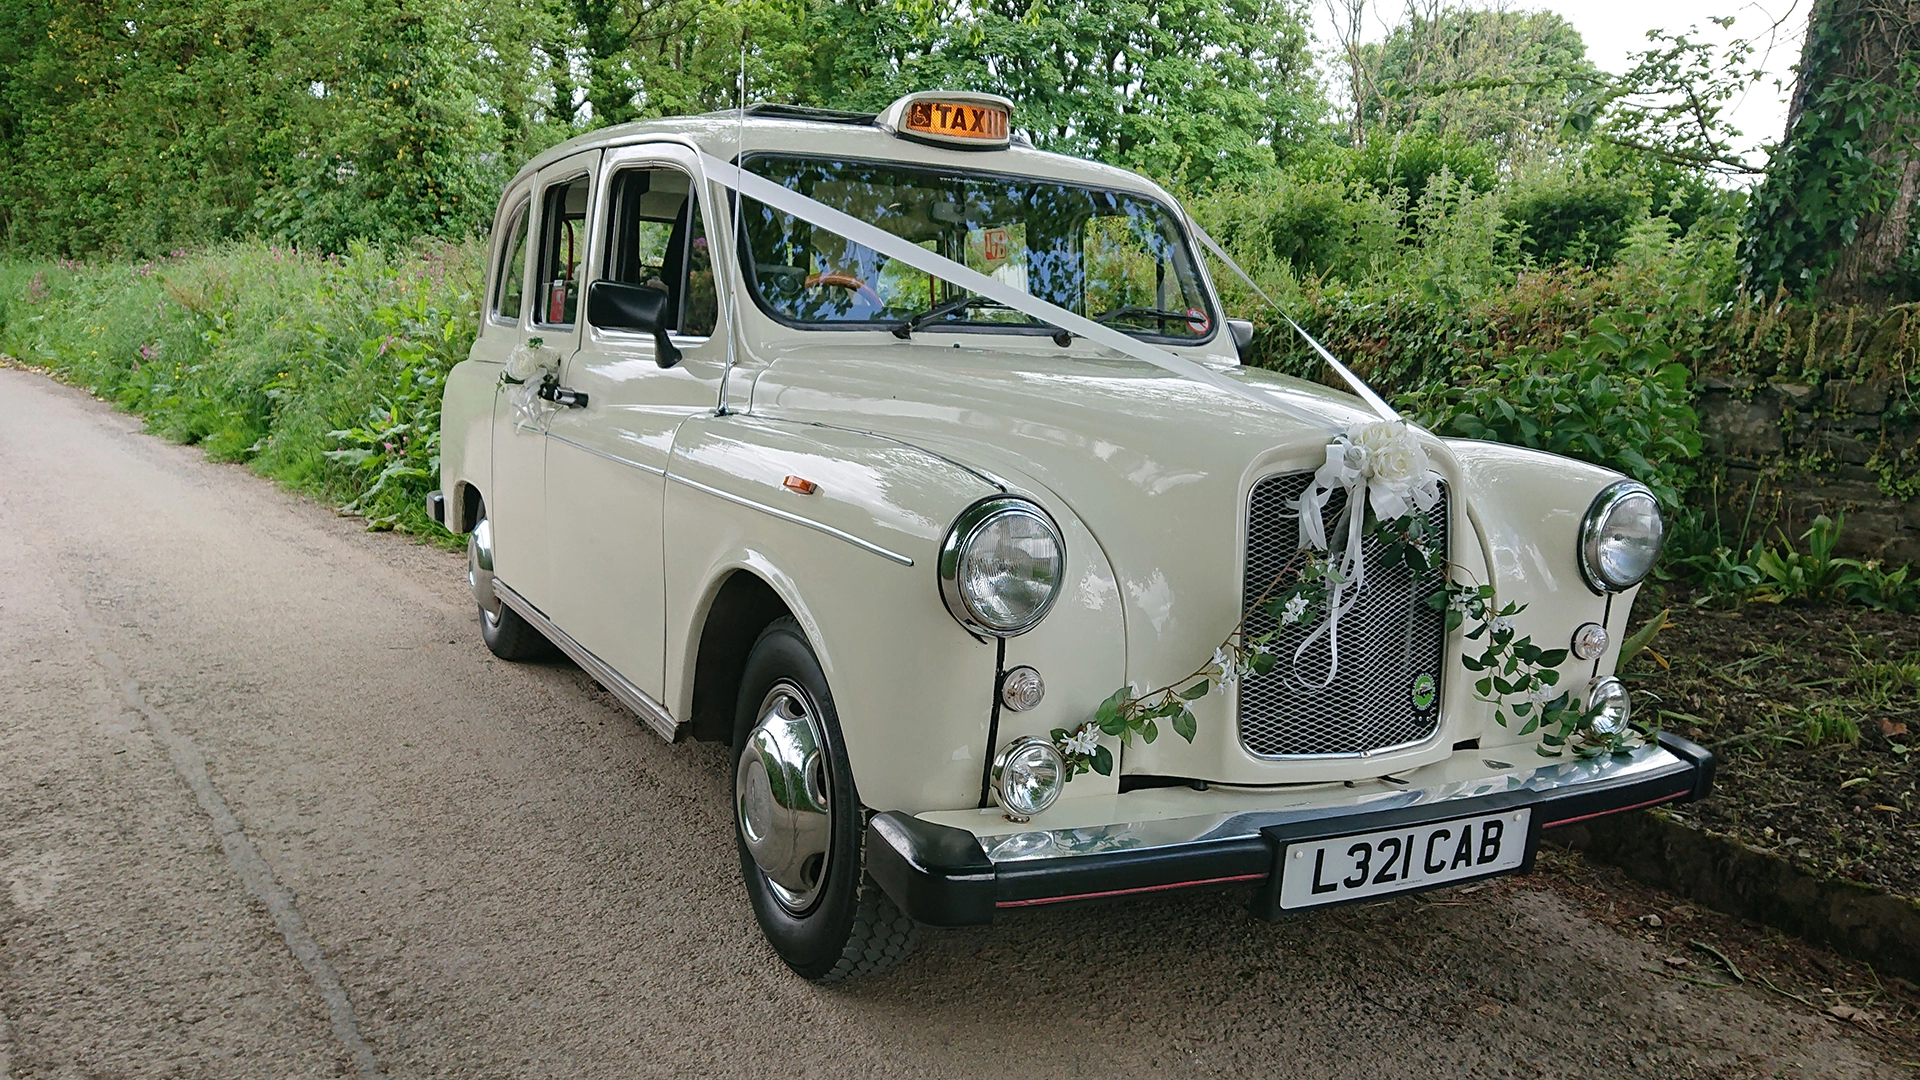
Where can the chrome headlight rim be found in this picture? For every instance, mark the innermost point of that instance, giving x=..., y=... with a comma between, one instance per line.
x=969, y=525
x=1610, y=499
x=1601, y=721
x=1020, y=747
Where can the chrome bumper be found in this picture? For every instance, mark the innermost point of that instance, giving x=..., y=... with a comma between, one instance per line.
x=958, y=868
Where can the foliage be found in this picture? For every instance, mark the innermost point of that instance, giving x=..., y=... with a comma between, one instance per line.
x=1615, y=397
x=1846, y=158
x=1495, y=77
x=323, y=373
x=1783, y=572
x=1581, y=217
x=1671, y=105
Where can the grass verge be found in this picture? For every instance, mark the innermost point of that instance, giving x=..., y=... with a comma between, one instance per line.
x=323, y=373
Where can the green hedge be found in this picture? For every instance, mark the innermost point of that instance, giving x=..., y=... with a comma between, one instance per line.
x=322, y=373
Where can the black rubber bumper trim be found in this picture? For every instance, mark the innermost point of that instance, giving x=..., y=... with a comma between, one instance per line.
x=941, y=876
x=437, y=507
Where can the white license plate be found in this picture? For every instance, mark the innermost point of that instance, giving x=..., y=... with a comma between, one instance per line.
x=1344, y=868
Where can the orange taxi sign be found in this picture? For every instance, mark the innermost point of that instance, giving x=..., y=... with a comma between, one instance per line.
x=953, y=118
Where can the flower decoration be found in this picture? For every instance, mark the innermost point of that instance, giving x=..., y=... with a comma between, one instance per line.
x=1390, y=484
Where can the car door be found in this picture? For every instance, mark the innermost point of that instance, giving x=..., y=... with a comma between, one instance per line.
x=607, y=459
x=518, y=505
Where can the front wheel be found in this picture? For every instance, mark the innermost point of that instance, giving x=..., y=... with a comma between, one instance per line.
x=798, y=823
x=508, y=636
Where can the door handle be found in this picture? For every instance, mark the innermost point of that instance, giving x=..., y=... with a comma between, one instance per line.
x=560, y=395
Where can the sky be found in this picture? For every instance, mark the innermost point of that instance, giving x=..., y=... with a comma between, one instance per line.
x=1613, y=29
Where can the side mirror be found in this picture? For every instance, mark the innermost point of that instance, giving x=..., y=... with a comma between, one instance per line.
x=642, y=309
x=1242, y=330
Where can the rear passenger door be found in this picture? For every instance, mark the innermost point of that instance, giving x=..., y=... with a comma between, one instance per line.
x=518, y=505
x=607, y=460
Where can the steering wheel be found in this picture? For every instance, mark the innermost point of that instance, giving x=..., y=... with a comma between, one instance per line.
x=845, y=281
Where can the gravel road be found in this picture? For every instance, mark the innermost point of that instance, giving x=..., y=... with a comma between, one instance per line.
x=268, y=808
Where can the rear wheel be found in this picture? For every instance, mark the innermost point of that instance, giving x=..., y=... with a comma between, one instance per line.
x=508, y=636
x=798, y=823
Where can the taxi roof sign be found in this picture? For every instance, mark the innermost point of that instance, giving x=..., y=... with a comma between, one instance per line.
x=957, y=118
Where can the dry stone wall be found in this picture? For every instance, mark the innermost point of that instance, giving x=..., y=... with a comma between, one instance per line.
x=1788, y=451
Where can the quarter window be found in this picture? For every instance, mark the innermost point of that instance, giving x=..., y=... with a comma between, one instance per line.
x=563, y=245
x=510, y=287
x=655, y=238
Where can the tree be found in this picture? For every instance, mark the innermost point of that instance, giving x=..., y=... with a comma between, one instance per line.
x=1834, y=218
x=1501, y=77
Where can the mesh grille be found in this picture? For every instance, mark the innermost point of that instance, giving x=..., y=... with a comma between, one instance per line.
x=1388, y=640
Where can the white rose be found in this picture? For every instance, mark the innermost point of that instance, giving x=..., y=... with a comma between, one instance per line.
x=528, y=361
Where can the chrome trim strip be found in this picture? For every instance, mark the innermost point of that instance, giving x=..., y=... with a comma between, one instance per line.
x=654, y=714
x=654, y=469
x=1648, y=762
x=865, y=545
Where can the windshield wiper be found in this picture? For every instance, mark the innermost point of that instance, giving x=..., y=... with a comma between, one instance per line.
x=958, y=305
x=1157, y=314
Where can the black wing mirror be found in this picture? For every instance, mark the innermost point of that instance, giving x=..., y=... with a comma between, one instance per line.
x=642, y=309
x=1242, y=330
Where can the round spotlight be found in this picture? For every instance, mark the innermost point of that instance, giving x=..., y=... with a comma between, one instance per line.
x=1590, y=641
x=1607, y=706
x=1022, y=689
x=1028, y=776
x=1620, y=537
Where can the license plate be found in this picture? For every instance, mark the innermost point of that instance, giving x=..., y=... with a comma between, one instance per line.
x=1332, y=871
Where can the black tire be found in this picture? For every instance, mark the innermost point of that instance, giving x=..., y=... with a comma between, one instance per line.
x=852, y=927
x=508, y=636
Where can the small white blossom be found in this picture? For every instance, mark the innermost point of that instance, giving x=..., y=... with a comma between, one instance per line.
x=1295, y=608
x=1228, y=665
x=1085, y=741
x=1502, y=624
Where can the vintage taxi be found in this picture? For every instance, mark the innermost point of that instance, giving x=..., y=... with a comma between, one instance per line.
x=920, y=467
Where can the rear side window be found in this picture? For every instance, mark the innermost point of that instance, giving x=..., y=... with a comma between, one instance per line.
x=563, y=244
x=655, y=238
x=511, y=285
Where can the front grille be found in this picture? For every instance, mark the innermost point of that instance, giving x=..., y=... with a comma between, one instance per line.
x=1388, y=641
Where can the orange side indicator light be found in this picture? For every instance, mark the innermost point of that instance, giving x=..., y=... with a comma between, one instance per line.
x=804, y=487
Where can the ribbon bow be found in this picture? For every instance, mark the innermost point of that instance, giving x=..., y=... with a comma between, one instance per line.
x=1381, y=464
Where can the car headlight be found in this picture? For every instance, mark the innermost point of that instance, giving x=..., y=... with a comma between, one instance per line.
x=1608, y=706
x=1620, y=537
x=1028, y=776
x=1001, y=566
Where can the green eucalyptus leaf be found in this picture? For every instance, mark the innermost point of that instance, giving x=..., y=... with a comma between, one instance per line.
x=1196, y=691
x=1103, y=761
x=1184, y=724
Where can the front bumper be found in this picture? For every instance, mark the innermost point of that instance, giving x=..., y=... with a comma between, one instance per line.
x=959, y=868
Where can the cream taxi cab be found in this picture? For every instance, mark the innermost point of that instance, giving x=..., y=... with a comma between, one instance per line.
x=903, y=458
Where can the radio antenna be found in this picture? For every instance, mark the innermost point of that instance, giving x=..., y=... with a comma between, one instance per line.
x=733, y=293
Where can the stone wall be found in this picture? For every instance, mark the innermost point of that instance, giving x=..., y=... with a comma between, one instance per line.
x=1807, y=450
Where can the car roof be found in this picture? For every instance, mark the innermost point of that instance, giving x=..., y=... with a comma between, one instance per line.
x=802, y=130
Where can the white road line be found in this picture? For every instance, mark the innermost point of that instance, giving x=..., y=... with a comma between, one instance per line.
x=241, y=853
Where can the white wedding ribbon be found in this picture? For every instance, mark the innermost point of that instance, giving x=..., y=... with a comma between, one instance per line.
x=788, y=201
x=1374, y=401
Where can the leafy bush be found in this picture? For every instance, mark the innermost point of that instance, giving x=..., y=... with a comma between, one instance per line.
x=1573, y=216
x=1614, y=397
x=323, y=373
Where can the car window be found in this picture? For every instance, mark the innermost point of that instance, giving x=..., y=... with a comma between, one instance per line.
x=1117, y=257
x=563, y=244
x=655, y=237
x=511, y=285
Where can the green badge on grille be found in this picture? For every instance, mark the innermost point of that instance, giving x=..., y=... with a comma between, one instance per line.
x=1423, y=692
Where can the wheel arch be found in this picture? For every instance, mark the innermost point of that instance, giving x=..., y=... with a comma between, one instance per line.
x=740, y=604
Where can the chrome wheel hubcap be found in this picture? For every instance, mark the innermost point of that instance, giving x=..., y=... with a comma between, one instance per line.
x=782, y=797
x=480, y=569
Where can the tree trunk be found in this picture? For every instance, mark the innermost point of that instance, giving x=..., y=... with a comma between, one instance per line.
x=1880, y=34
x=1834, y=218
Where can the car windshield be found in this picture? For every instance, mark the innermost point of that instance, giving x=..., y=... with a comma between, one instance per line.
x=1112, y=256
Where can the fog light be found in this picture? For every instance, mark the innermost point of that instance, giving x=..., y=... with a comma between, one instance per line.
x=1027, y=777
x=1022, y=689
x=1607, y=707
x=1590, y=641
